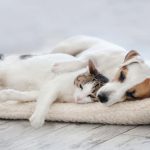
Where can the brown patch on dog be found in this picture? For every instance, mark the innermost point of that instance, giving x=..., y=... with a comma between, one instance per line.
x=131, y=54
x=140, y=91
x=121, y=74
x=25, y=56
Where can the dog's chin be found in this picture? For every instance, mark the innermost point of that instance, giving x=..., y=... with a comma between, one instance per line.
x=111, y=103
x=108, y=104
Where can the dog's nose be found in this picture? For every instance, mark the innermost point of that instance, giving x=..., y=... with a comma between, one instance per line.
x=103, y=98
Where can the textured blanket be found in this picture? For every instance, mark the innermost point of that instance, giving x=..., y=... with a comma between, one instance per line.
x=132, y=113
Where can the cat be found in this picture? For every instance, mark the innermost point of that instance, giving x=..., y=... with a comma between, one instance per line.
x=76, y=87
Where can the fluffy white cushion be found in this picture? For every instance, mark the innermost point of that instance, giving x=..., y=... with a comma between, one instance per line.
x=135, y=112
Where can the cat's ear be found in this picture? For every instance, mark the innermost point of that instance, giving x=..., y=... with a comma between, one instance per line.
x=92, y=68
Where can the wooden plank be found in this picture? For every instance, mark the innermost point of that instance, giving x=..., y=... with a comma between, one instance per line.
x=100, y=135
x=74, y=136
x=53, y=140
x=125, y=142
x=140, y=131
x=13, y=131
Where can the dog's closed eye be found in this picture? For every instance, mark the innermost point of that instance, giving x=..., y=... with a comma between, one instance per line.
x=130, y=94
x=122, y=76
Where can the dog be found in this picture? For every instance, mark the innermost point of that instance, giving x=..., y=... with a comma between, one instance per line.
x=127, y=72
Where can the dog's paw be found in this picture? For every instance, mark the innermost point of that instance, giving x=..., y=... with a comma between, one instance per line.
x=36, y=121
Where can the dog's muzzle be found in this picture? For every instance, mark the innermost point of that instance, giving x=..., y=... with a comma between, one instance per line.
x=103, y=97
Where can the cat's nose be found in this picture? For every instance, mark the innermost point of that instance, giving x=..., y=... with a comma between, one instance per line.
x=79, y=99
x=103, y=97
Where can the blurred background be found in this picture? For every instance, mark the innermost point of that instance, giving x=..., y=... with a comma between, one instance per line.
x=30, y=25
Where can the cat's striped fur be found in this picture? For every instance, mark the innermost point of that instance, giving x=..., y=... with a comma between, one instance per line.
x=92, y=77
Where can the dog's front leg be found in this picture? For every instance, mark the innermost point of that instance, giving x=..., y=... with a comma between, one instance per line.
x=14, y=95
x=43, y=103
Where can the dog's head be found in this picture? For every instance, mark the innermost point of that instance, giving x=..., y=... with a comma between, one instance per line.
x=130, y=82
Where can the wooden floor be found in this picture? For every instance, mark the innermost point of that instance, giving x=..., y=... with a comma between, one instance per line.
x=18, y=135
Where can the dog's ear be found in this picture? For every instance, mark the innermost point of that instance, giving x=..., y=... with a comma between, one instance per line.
x=92, y=68
x=141, y=90
x=131, y=54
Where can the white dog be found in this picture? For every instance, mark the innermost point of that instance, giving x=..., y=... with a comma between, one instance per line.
x=129, y=75
x=21, y=77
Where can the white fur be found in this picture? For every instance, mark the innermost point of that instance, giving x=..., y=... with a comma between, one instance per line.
x=108, y=57
x=100, y=51
x=81, y=95
x=60, y=89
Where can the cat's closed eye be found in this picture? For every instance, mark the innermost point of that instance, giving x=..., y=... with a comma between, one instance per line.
x=81, y=87
x=91, y=96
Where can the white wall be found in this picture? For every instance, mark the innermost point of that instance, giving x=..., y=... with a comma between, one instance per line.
x=27, y=25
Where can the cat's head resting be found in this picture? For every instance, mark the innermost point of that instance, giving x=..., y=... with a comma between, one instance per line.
x=87, y=84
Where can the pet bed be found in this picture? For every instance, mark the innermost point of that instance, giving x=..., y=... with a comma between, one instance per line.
x=128, y=113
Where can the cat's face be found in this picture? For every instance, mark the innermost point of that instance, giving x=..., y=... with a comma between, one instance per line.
x=87, y=85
